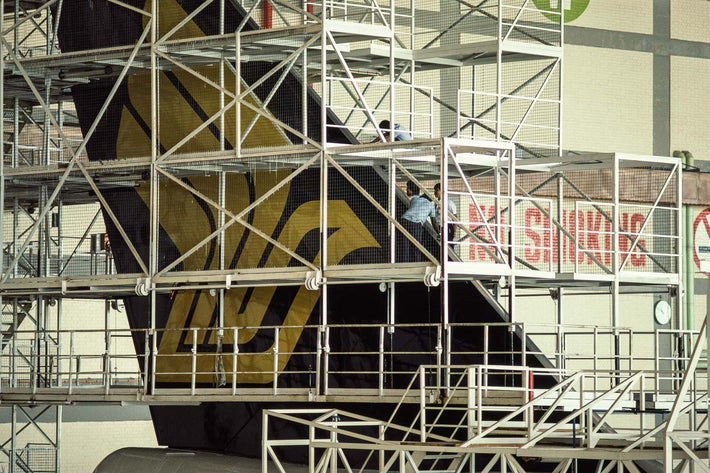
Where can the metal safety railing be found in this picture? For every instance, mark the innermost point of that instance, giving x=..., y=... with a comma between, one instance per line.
x=486, y=401
x=500, y=223
x=344, y=360
x=642, y=232
x=372, y=101
x=484, y=413
x=482, y=231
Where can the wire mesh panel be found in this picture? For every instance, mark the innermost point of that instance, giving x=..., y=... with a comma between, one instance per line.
x=37, y=458
x=30, y=363
x=524, y=21
x=263, y=356
x=58, y=238
x=355, y=11
x=594, y=243
x=650, y=234
x=488, y=228
x=85, y=244
x=266, y=217
x=534, y=236
x=392, y=194
x=525, y=110
x=388, y=362
x=363, y=105
x=584, y=237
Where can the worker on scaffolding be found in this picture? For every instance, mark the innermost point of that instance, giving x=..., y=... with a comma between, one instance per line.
x=400, y=134
x=420, y=209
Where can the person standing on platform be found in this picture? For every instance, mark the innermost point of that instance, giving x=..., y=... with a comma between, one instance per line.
x=414, y=219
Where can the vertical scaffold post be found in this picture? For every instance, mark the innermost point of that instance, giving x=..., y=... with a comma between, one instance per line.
x=193, y=371
x=276, y=361
x=265, y=442
x=146, y=359
x=471, y=400
x=2, y=152
x=381, y=361
x=446, y=154
x=323, y=330
x=511, y=251
x=154, y=155
x=238, y=93
x=58, y=439
x=615, y=271
x=235, y=354
x=422, y=403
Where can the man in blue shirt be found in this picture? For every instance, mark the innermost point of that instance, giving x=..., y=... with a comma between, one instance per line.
x=399, y=132
x=414, y=219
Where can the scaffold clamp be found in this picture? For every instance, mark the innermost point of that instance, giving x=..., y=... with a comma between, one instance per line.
x=314, y=279
x=143, y=287
x=432, y=278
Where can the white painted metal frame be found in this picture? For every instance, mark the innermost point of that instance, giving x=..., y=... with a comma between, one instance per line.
x=332, y=48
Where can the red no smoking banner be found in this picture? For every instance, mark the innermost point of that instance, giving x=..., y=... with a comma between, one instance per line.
x=701, y=237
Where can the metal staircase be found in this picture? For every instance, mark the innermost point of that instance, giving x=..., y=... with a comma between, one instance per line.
x=13, y=314
x=491, y=416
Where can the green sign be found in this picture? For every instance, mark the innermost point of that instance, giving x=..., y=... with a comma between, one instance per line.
x=572, y=8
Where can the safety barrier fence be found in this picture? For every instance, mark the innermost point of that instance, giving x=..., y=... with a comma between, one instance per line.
x=33, y=458
x=477, y=118
x=484, y=235
x=493, y=226
x=647, y=234
x=554, y=425
x=464, y=408
x=372, y=102
x=341, y=360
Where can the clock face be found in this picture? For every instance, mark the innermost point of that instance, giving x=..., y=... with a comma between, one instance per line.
x=662, y=312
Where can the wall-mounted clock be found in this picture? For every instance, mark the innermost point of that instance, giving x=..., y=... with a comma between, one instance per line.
x=662, y=312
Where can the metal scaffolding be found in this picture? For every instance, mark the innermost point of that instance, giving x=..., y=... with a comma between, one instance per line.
x=160, y=188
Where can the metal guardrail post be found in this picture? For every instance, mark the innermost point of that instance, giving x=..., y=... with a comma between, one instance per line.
x=107, y=363
x=479, y=400
x=319, y=362
x=326, y=360
x=193, y=374
x=146, y=360
x=422, y=404
x=596, y=351
x=71, y=360
x=154, y=359
x=276, y=361
x=235, y=365
x=381, y=361
x=13, y=362
x=439, y=350
x=471, y=400
x=34, y=356
x=529, y=412
x=265, y=442
x=523, y=345
x=311, y=450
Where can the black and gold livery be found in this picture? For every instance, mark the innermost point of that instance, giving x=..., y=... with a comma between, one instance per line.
x=357, y=233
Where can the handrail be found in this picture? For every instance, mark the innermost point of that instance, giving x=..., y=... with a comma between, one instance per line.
x=75, y=362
